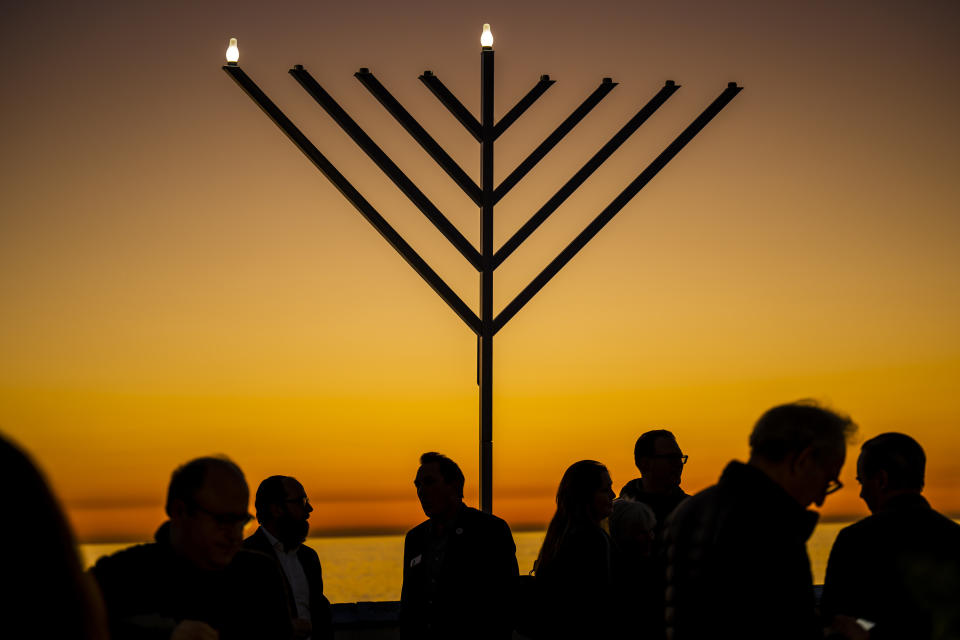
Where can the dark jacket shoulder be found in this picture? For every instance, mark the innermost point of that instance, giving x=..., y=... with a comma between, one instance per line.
x=899, y=568
x=135, y=555
x=737, y=561
x=257, y=541
x=467, y=517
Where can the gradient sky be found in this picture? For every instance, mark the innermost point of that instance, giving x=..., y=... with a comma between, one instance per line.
x=176, y=279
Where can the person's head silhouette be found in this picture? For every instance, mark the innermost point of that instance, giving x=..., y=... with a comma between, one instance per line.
x=890, y=464
x=584, y=499
x=632, y=527
x=207, y=503
x=439, y=484
x=660, y=461
x=802, y=447
x=585, y=493
x=283, y=509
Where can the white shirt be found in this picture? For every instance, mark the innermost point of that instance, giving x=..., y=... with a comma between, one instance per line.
x=296, y=576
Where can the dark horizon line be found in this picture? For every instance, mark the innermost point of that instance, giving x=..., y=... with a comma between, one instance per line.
x=321, y=532
x=369, y=532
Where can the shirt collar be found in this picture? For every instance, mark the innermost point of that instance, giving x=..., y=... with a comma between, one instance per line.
x=274, y=542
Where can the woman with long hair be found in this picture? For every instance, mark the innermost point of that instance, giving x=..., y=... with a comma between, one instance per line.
x=572, y=571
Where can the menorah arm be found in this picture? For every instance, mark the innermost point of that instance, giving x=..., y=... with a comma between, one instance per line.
x=615, y=206
x=354, y=197
x=525, y=102
x=585, y=172
x=553, y=139
x=375, y=153
x=419, y=134
x=453, y=105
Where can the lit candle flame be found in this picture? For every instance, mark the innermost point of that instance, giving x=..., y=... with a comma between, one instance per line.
x=233, y=52
x=486, y=38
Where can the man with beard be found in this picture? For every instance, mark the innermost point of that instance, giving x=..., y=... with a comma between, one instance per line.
x=283, y=511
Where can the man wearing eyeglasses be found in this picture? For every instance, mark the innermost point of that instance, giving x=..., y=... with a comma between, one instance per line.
x=737, y=564
x=898, y=570
x=195, y=582
x=283, y=511
x=660, y=461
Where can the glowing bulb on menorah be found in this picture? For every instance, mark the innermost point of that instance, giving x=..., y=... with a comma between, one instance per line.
x=233, y=52
x=486, y=38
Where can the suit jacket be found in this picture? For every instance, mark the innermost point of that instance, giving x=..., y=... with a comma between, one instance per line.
x=320, y=616
x=899, y=568
x=462, y=587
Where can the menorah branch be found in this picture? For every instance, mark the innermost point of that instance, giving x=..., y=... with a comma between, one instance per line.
x=615, y=206
x=419, y=134
x=396, y=175
x=354, y=197
x=453, y=105
x=521, y=106
x=554, y=138
x=585, y=172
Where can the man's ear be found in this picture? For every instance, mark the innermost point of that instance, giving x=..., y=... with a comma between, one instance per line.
x=643, y=464
x=802, y=461
x=178, y=509
x=275, y=511
x=883, y=480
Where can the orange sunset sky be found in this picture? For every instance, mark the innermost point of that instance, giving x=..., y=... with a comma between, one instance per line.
x=176, y=279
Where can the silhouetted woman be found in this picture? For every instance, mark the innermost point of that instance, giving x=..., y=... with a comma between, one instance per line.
x=573, y=569
x=46, y=593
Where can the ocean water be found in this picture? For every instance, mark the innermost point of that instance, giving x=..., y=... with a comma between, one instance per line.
x=369, y=568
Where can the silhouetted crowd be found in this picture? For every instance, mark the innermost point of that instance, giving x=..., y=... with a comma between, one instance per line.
x=655, y=563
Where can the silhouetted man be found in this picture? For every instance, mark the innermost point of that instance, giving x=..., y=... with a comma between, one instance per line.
x=283, y=512
x=900, y=567
x=736, y=552
x=459, y=567
x=195, y=582
x=660, y=461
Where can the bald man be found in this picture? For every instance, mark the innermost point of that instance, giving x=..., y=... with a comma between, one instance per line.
x=195, y=582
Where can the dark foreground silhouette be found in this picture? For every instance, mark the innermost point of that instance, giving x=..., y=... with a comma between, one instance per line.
x=46, y=594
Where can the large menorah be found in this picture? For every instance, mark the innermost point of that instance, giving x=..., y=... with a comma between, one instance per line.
x=485, y=195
